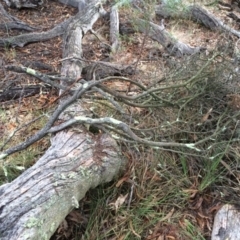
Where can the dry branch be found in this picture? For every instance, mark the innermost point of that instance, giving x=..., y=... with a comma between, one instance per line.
x=23, y=39
x=20, y=92
x=42, y=77
x=198, y=14
x=10, y=22
x=158, y=33
x=23, y=3
x=100, y=70
x=114, y=29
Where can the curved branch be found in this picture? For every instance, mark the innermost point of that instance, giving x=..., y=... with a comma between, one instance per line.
x=22, y=40
x=121, y=125
x=41, y=76
x=11, y=22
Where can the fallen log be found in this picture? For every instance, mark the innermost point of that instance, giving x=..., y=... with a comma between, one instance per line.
x=197, y=14
x=226, y=223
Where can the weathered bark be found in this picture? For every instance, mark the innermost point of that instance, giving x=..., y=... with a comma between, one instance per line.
x=226, y=223
x=9, y=22
x=80, y=4
x=23, y=3
x=114, y=29
x=160, y=34
x=171, y=45
x=197, y=14
x=23, y=39
x=20, y=92
x=100, y=70
x=33, y=205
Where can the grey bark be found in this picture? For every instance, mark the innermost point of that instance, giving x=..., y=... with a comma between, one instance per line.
x=23, y=39
x=171, y=45
x=226, y=223
x=114, y=29
x=34, y=205
x=23, y=3
x=80, y=4
x=9, y=22
x=100, y=70
x=197, y=14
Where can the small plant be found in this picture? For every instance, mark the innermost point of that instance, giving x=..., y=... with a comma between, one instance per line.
x=10, y=53
x=192, y=231
x=174, y=6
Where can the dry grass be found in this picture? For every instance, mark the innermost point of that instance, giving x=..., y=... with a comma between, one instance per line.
x=171, y=193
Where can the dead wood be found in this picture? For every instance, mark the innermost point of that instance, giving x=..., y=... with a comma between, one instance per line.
x=160, y=34
x=234, y=17
x=20, y=92
x=114, y=29
x=100, y=70
x=42, y=77
x=23, y=3
x=226, y=223
x=171, y=45
x=33, y=205
x=9, y=22
x=198, y=14
x=80, y=4
x=23, y=39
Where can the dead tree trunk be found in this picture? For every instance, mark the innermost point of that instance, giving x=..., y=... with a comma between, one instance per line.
x=33, y=205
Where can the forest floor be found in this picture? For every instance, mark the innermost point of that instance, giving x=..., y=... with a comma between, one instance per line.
x=162, y=194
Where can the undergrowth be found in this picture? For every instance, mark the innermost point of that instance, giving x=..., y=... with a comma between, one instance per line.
x=164, y=193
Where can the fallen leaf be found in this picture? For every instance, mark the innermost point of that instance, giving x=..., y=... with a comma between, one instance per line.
x=168, y=216
x=122, y=180
x=206, y=116
x=119, y=202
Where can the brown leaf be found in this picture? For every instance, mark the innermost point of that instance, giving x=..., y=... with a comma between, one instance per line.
x=75, y=216
x=119, y=202
x=206, y=116
x=168, y=216
x=121, y=181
